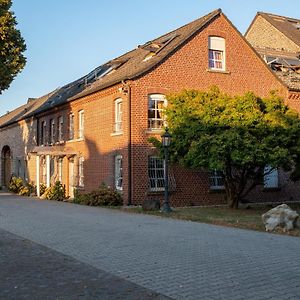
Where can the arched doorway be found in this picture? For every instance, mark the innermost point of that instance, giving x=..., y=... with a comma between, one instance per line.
x=6, y=163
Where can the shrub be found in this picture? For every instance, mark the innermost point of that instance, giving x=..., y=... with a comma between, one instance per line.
x=103, y=196
x=16, y=184
x=42, y=188
x=81, y=198
x=55, y=192
x=24, y=191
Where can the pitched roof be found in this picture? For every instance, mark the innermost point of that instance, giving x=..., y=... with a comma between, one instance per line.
x=290, y=27
x=130, y=65
x=44, y=103
x=285, y=64
x=23, y=111
x=135, y=62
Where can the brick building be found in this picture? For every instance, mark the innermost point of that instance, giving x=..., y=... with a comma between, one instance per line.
x=277, y=40
x=96, y=128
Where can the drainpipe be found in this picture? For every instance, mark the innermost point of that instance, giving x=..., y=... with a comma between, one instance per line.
x=127, y=89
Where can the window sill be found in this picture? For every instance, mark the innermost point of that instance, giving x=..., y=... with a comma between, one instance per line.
x=158, y=192
x=154, y=131
x=216, y=190
x=75, y=140
x=116, y=133
x=271, y=189
x=218, y=71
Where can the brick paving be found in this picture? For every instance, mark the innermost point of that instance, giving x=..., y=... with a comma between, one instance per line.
x=178, y=259
x=31, y=271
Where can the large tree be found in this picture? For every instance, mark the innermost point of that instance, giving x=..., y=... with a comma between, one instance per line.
x=239, y=136
x=12, y=46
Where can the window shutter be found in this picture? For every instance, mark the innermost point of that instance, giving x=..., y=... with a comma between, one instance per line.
x=216, y=43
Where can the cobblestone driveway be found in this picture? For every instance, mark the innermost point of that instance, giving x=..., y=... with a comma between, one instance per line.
x=179, y=259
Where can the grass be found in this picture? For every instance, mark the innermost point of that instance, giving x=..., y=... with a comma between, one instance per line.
x=247, y=218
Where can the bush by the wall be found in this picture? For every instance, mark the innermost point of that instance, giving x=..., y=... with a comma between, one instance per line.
x=103, y=196
x=55, y=192
x=27, y=190
x=16, y=184
x=42, y=188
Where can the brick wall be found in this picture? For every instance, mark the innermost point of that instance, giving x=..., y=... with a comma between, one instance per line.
x=186, y=69
x=20, y=138
x=100, y=144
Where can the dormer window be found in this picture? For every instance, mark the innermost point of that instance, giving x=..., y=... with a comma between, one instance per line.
x=216, y=53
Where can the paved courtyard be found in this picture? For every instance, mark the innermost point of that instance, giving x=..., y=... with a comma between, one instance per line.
x=177, y=259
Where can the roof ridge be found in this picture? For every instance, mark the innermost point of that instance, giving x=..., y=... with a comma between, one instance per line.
x=212, y=13
x=135, y=70
x=275, y=15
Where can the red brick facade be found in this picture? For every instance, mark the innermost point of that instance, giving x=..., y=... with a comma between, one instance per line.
x=186, y=68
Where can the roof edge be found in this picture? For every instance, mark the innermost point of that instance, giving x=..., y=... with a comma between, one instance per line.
x=256, y=53
x=213, y=14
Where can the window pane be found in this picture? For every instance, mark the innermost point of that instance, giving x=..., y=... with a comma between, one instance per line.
x=156, y=105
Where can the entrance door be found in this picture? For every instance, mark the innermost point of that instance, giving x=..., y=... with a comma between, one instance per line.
x=71, y=178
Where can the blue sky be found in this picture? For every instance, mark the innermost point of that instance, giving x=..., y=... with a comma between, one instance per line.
x=68, y=38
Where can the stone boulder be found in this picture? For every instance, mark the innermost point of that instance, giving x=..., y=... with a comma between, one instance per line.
x=151, y=205
x=280, y=216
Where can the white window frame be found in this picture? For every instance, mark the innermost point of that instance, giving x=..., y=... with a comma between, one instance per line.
x=43, y=133
x=52, y=131
x=271, y=179
x=216, y=180
x=216, y=46
x=60, y=125
x=44, y=170
x=119, y=172
x=118, y=115
x=71, y=126
x=81, y=171
x=60, y=169
x=156, y=171
x=158, y=121
x=81, y=124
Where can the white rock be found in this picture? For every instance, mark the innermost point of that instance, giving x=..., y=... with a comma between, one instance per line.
x=282, y=215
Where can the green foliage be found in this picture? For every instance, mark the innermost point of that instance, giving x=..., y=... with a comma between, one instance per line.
x=19, y=186
x=237, y=135
x=103, y=196
x=42, y=188
x=16, y=184
x=12, y=46
x=55, y=192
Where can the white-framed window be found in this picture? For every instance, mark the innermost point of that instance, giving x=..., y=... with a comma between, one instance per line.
x=216, y=180
x=71, y=126
x=119, y=172
x=118, y=115
x=81, y=124
x=52, y=131
x=156, y=106
x=270, y=177
x=43, y=131
x=60, y=127
x=216, y=53
x=60, y=169
x=156, y=170
x=81, y=171
x=44, y=170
